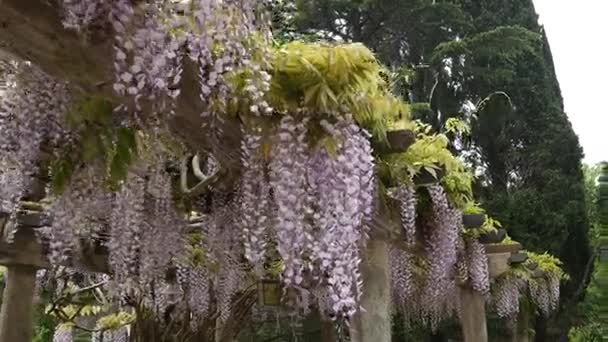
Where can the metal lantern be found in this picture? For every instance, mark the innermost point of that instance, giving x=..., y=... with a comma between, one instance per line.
x=269, y=292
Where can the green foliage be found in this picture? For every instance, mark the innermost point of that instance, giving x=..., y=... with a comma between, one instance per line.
x=472, y=207
x=334, y=78
x=457, y=127
x=589, y=333
x=490, y=224
x=504, y=42
x=428, y=153
x=115, y=321
x=548, y=263
x=591, y=174
x=98, y=139
x=44, y=327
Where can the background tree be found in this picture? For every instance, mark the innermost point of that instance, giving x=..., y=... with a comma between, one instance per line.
x=488, y=62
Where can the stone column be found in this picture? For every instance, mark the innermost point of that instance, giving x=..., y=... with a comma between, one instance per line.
x=18, y=304
x=473, y=318
x=522, y=327
x=17, y=311
x=375, y=322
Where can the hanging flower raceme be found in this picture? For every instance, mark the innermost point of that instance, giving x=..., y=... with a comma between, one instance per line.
x=223, y=247
x=228, y=40
x=343, y=189
x=477, y=265
x=254, y=201
x=127, y=222
x=506, y=296
x=406, y=195
x=80, y=212
x=195, y=282
x=322, y=203
x=554, y=290
x=288, y=181
x=163, y=237
x=441, y=249
x=544, y=292
x=224, y=40
x=31, y=114
x=148, y=56
x=79, y=14
x=402, y=278
x=63, y=334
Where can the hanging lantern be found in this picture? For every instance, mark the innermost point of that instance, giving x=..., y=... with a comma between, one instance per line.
x=269, y=292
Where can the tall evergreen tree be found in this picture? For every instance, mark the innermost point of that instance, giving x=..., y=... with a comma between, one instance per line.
x=494, y=53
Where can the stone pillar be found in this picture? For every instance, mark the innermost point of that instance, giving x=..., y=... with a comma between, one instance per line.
x=328, y=333
x=473, y=318
x=18, y=304
x=17, y=311
x=522, y=326
x=375, y=322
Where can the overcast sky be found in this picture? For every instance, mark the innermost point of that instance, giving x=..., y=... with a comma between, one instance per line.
x=578, y=35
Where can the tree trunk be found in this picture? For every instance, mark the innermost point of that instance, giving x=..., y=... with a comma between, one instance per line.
x=18, y=304
x=375, y=321
x=473, y=318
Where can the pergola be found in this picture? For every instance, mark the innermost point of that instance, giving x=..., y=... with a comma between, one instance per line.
x=31, y=30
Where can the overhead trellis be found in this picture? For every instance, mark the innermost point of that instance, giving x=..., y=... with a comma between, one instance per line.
x=186, y=150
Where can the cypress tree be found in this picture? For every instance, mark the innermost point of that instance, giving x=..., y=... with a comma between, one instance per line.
x=459, y=53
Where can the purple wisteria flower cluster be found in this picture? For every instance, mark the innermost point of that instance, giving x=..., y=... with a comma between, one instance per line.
x=32, y=111
x=153, y=38
x=403, y=283
x=196, y=284
x=477, y=266
x=407, y=201
x=427, y=290
x=254, y=200
x=147, y=56
x=81, y=212
x=323, y=200
x=506, y=294
x=441, y=253
x=543, y=291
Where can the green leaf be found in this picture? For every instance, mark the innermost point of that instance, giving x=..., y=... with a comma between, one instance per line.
x=330, y=146
x=91, y=146
x=118, y=169
x=61, y=172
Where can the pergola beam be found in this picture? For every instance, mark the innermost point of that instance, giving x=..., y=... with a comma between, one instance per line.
x=32, y=30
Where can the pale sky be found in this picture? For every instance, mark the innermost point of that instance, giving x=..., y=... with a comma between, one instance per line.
x=578, y=34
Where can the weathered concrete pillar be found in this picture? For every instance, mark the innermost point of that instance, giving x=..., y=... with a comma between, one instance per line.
x=328, y=331
x=473, y=318
x=375, y=322
x=522, y=327
x=18, y=304
x=17, y=311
